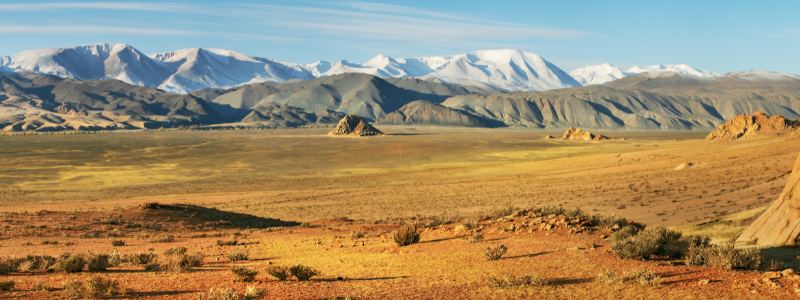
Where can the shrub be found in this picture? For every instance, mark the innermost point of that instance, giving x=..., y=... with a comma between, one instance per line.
x=70, y=263
x=476, y=237
x=9, y=264
x=114, y=259
x=356, y=234
x=35, y=262
x=7, y=285
x=239, y=254
x=500, y=212
x=610, y=276
x=252, y=292
x=117, y=243
x=97, y=262
x=163, y=239
x=179, y=262
x=774, y=264
x=575, y=213
x=72, y=288
x=227, y=243
x=42, y=286
x=553, y=210
x=175, y=250
x=303, y=273
x=407, y=235
x=142, y=258
x=495, y=253
x=644, y=277
x=723, y=256
x=510, y=280
x=219, y=294
x=96, y=286
x=282, y=273
x=470, y=223
x=609, y=222
x=244, y=274
x=632, y=243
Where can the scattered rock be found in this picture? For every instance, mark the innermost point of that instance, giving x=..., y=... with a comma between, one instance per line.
x=576, y=134
x=547, y=137
x=744, y=126
x=704, y=282
x=355, y=125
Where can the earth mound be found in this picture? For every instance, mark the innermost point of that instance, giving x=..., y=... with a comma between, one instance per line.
x=780, y=223
x=195, y=215
x=576, y=134
x=744, y=126
x=355, y=125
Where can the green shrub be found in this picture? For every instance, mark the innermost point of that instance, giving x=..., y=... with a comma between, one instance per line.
x=36, y=262
x=495, y=253
x=407, y=235
x=303, y=273
x=69, y=263
x=632, y=243
x=282, y=273
x=609, y=222
x=244, y=274
x=510, y=280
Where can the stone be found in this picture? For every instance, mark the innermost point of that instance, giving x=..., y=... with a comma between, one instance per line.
x=745, y=126
x=354, y=125
x=576, y=134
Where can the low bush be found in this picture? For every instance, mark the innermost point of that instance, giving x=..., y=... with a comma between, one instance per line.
x=252, y=292
x=180, y=261
x=774, y=264
x=407, y=235
x=219, y=294
x=69, y=263
x=610, y=276
x=495, y=253
x=282, y=273
x=227, y=243
x=175, y=250
x=36, y=262
x=7, y=285
x=9, y=264
x=141, y=258
x=163, y=239
x=244, y=274
x=97, y=262
x=117, y=243
x=96, y=286
x=510, y=280
x=356, y=234
x=476, y=237
x=73, y=289
x=609, y=222
x=553, y=210
x=303, y=273
x=470, y=223
x=42, y=286
x=239, y=254
x=634, y=243
x=723, y=256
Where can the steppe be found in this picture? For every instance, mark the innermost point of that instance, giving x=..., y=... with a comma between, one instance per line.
x=337, y=185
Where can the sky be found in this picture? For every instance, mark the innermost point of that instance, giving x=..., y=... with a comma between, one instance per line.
x=720, y=36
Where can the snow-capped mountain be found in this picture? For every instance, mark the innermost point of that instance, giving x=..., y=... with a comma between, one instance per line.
x=598, y=74
x=187, y=70
x=604, y=73
x=680, y=69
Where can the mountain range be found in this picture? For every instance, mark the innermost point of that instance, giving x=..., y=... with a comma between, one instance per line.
x=605, y=73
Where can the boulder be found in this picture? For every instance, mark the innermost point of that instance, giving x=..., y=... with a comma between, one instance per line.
x=576, y=134
x=354, y=125
x=744, y=126
x=780, y=223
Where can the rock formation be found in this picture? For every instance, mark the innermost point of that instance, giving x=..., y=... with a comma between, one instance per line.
x=576, y=134
x=547, y=137
x=744, y=126
x=355, y=125
x=780, y=223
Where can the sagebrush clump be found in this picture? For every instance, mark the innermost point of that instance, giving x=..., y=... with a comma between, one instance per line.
x=723, y=256
x=511, y=280
x=244, y=274
x=282, y=273
x=303, y=273
x=495, y=253
x=407, y=235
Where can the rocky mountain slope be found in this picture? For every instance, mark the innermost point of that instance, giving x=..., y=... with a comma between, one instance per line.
x=422, y=112
x=49, y=103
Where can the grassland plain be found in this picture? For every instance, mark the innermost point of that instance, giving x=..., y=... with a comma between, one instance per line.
x=303, y=175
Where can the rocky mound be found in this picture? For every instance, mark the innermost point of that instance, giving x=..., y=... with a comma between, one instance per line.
x=744, y=126
x=547, y=137
x=576, y=134
x=355, y=125
x=780, y=223
x=423, y=112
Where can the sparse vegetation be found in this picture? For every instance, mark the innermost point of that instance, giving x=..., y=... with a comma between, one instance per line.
x=179, y=261
x=227, y=243
x=303, y=273
x=117, y=243
x=470, y=223
x=723, y=256
x=357, y=234
x=70, y=263
x=244, y=274
x=238, y=254
x=141, y=258
x=163, y=239
x=476, y=237
x=97, y=262
x=511, y=280
x=495, y=253
x=609, y=276
x=644, y=277
x=7, y=285
x=407, y=235
x=634, y=243
x=282, y=273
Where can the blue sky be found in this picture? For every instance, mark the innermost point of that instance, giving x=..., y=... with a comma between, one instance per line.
x=721, y=36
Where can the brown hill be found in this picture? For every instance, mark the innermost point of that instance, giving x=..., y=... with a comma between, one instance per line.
x=355, y=125
x=744, y=126
x=423, y=112
x=780, y=223
x=576, y=134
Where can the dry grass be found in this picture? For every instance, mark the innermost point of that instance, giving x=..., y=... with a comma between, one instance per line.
x=510, y=280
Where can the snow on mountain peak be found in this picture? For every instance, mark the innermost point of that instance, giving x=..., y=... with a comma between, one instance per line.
x=679, y=68
x=598, y=74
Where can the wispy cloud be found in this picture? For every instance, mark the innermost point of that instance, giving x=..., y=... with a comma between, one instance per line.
x=10, y=29
x=357, y=21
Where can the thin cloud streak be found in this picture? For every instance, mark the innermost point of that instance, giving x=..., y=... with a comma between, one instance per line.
x=165, y=7
x=12, y=29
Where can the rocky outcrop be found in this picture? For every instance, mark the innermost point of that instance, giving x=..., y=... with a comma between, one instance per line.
x=745, y=126
x=354, y=125
x=576, y=134
x=547, y=137
x=780, y=223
